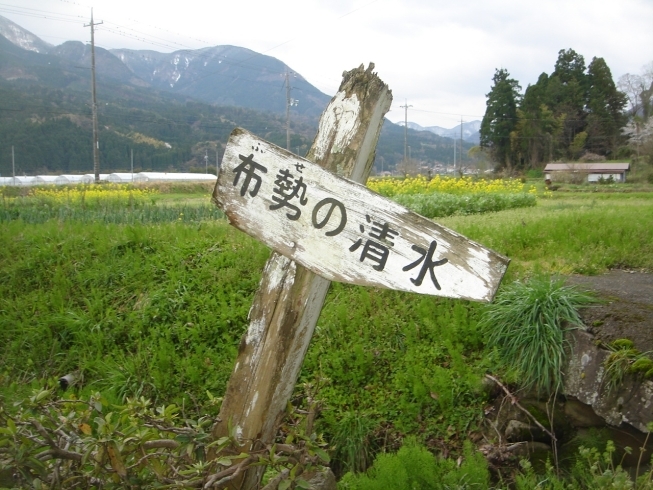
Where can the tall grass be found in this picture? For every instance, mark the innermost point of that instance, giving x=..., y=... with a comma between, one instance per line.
x=527, y=322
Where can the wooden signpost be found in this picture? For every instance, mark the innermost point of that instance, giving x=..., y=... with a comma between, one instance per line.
x=324, y=227
x=344, y=232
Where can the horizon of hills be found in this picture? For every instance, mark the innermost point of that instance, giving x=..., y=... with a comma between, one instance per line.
x=172, y=108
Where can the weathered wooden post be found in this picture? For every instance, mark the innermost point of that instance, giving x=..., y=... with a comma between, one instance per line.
x=324, y=227
x=290, y=297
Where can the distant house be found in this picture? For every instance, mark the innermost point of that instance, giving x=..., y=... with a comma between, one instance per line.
x=586, y=172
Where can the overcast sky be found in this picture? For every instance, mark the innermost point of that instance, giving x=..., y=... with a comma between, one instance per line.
x=439, y=56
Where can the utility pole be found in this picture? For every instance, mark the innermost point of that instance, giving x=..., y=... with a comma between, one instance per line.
x=454, y=154
x=132, y=161
x=206, y=161
x=96, y=143
x=289, y=102
x=405, y=107
x=13, y=165
x=461, y=145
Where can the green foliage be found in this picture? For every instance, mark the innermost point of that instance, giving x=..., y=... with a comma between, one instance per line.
x=624, y=359
x=442, y=204
x=584, y=234
x=157, y=310
x=53, y=442
x=150, y=310
x=413, y=467
x=594, y=470
x=526, y=324
x=352, y=439
x=574, y=110
x=394, y=363
x=142, y=214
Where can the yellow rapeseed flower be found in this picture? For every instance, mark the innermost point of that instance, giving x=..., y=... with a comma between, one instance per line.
x=109, y=194
x=464, y=185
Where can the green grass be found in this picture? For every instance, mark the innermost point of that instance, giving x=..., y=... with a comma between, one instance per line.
x=526, y=324
x=578, y=234
x=156, y=310
x=157, y=307
x=442, y=204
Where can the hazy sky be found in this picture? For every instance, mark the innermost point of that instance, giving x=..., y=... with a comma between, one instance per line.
x=439, y=56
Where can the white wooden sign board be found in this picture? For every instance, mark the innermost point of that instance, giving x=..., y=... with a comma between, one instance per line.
x=343, y=231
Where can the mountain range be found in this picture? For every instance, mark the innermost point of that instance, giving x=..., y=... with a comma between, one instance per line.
x=217, y=82
x=470, y=130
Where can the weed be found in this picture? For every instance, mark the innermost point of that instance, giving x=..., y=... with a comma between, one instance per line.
x=352, y=442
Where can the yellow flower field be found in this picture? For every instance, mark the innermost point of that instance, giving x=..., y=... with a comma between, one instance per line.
x=465, y=185
x=110, y=194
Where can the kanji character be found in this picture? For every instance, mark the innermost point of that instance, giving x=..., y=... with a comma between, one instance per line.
x=249, y=168
x=376, y=252
x=288, y=189
x=428, y=264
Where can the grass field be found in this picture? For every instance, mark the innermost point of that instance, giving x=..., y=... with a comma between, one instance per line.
x=154, y=305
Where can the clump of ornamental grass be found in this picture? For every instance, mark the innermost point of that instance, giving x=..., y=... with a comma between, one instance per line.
x=526, y=324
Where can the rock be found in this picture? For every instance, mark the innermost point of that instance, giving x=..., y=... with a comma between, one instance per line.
x=324, y=480
x=629, y=403
x=517, y=431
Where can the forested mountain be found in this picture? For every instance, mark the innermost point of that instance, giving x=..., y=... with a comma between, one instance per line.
x=45, y=111
x=575, y=112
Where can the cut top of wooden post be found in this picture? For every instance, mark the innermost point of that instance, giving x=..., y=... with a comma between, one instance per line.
x=343, y=231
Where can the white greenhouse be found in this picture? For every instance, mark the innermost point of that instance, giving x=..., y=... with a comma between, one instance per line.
x=173, y=177
x=70, y=179
x=90, y=178
x=45, y=179
x=121, y=177
x=21, y=181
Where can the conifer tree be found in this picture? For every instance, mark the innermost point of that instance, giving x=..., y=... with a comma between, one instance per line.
x=500, y=119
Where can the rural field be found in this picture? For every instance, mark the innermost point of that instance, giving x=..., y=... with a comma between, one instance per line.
x=142, y=295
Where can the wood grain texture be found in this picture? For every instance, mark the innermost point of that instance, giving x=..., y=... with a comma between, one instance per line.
x=290, y=297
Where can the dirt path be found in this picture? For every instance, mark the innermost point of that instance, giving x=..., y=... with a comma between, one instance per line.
x=627, y=310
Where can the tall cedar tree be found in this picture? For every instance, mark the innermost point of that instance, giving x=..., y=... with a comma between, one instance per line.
x=500, y=119
x=567, y=94
x=605, y=107
x=538, y=128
